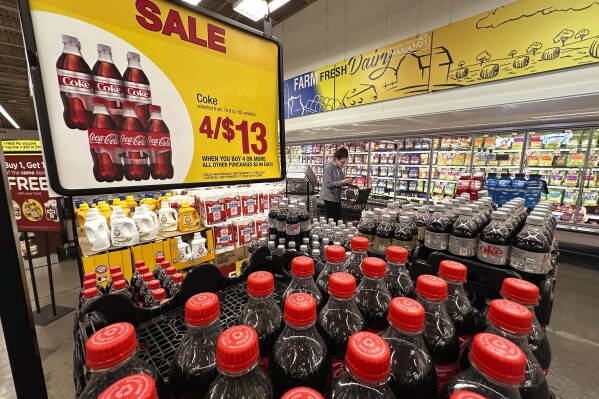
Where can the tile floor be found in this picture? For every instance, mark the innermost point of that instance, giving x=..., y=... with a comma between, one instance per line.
x=573, y=334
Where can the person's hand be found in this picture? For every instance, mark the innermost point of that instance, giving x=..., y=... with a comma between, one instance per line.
x=347, y=180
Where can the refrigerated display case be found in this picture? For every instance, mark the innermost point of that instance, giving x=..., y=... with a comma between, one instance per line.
x=413, y=169
x=357, y=163
x=451, y=157
x=498, y=153
x=383, y=168
x=312, y=154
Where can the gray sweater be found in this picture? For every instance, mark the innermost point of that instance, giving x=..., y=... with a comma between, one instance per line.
x=331, y=182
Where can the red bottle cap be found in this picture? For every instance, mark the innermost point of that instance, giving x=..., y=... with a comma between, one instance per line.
x=89, y=276
x=90, y=293
x=368, y=357
x=165, y=264
x=153, y=284
x=147, y=277
x=466, y=395
x=453, y=271
x=359, y=244
x=520, y=291
x=237, y=349
x=119, y=284
x=498, y=358
x=143, y=269
x=302, y=393
x=155, y=108
x=260, y=284
x=160, y=259
x=171, y=270
x=98, y=101
x=136, y=386
x=110, y=345
x=342, y=285
x=374, y=267
x=202, y=309
x=510, y=316
x=397, y=254
x=158, y=294
x=117, y=276
x=335, y=253
x=177, y=277
x=431, y=287
x=128, y=104
x=89, y=284
x=139, y=263
x=300, y=309
x=302, y=266
x=114, y=269
x=406, y=314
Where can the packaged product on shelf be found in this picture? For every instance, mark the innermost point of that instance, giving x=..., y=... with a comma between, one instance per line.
x=224, y=237
x=506, y=162
x=405, y=173
x=415, y=159
x=405, y=159
x=243, y=228
x=571, y=179
x=402, y=185
x=249, y=201
x=232, y=204
x=532, y=159
x=555, y=196
x=593, y=159
x=400, y=144
x=261, y=223
x=449, y=189
x=424, y=158
x=421, y=186
x=413, y=173
x=422, y=173
x=590, y=197
x=438, y=189
x=443, y=174
x=189, y=219
x=451, y=175
x=517, y=142
x=426, y=144
x=570, y=197
x=212, y=207
x=575, y=160
x=409, y=145
x=546, y=159
x=536, y=141
x=412, y=185
x=559, y=160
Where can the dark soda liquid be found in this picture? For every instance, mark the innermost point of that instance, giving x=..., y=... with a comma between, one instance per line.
x=421, y=386
x=191, y=384
x=75, y=115
x=539, y=344
x=109, y=70
x=272, y=215
x=139, y=169
x=319, y=379
x=281, y=218
x=304, y=219
x=161, y=166
x=104, y=168
x=461, y=314
x=376, y=318
x=292, y=221
x=443, y=350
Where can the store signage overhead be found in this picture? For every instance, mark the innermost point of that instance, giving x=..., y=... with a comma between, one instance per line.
x=153, y=94
x=522, y=38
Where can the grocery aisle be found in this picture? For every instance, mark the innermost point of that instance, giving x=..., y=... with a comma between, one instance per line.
x=574, y=336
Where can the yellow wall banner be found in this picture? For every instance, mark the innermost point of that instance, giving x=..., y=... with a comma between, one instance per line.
x=152, y=94
x=523, y=38
x=9, y=146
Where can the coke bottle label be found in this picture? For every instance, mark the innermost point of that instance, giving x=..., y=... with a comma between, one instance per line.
x=444, y=373
x=292, y=229
x=338, y=368
x=263, y=364
x=381, y=244
x=465, y=340
x=436, y=240
x=421, y=231
x=305, y=226
x=462, y=246
x=530, y=262
x=272, y=223
x=493, y=254
x=138, y=92
x=75, y=83
x=281, y=225
x=104, y=140
x=158, y=142
x=404, y=244
x=108, y=88
x=133, y=141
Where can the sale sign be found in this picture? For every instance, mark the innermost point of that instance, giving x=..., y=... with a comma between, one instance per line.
x=152, y=94
x=34, y=209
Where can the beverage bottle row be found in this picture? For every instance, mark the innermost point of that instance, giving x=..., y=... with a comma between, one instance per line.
x=289, y=221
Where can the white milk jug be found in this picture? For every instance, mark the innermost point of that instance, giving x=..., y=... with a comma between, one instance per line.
x=184, y=250
x=96, y=230
x=198, y=247
x=154, y=218
x=123, y=232
x=144, y=225
x=168, y=218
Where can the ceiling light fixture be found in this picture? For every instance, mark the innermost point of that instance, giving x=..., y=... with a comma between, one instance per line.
x=192, y=2
x=8, y=117
x=257, y=9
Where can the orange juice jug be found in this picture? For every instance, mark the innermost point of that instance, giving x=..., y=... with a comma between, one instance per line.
x=188, y=218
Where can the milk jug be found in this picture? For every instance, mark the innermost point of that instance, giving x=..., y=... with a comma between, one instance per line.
x=188, y=218
x=168, y=218
x=81, y=215
x=184, y=250
x=154, y=217
x=123, y=232
x=96, y=230
x=198, y=247
x=144, y=224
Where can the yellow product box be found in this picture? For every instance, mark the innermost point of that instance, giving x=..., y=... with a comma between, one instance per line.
x=148, y=252
x=100, y=264
x=183, y=255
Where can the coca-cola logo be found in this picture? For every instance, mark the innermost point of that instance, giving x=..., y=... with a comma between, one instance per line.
x=490, y=250
x=159, y=142
x=106, y=139
x=109, y=87
x=132, y=91
x=138, y=140
x=76, y=82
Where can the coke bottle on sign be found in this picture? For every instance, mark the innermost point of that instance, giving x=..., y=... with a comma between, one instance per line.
x=134, y=145
x=137, y=87
x=75, y=84
x=104, y=144
x=159, y=145
x=108, y=82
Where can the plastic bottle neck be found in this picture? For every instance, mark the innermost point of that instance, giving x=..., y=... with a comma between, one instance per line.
x=414, y=338
x=396, y=266
x=433, y=306
x=116, y=366
x=264, y=300
x=335, y=266
x=134, y=63
x=369, y=281
x=72, y=48
x=238, y=374
x=371, y=384
x=302, y=279
x=517, y=339
x=105, y=56
x=492, y=380
x=206, y=328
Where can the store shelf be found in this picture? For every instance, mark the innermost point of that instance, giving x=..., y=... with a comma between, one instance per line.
x=383, y=152
x=382, y=177
x=412, y=166
x=564, y=187
x=444, y=180
x=592, y=216
x=497, y=151
x=451, y=166
x=413, y=178
x=414, y=152
x=573, y=150
x=579, y=168
x=454, y=151
x=494, y=167
x=358, y=153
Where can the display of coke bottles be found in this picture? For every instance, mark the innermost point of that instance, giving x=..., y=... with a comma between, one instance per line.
x=293, y=227
x=339, y=319
x=300, y=354
x=159, y=144
x=359, y=251
x=413, y=373
x=368, y=364
x=498, y=369
x=398, y=279
x=439, y=333
x=262, y=313
x=137, y=87
x=531, y=248
x=108, y=83
x=75, y=83
x=302, y=270
x=458, y=305
x=463, y=239
x=495, y=241
x=239, y=376
x=372, y=295
x=104, y=144
x=137, y=386
x=194, y=365
x=134, y=145
x=436, y=234
x=335, y=258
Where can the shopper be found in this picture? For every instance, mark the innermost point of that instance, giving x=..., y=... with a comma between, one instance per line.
x=332, y=179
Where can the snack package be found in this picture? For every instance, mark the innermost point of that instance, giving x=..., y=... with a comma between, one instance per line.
x=449, y=189
x=503, y=143
x=400, y=144
x=593, y=159
x=438, y=189
x=489, y=142
x=436, y=143
x=570, y=197
x=575, y=160
x=516, y=159
x=417, y=144
x=420, y=186
x=426, y=144
x=554, y=140
x=405, y=159
x=424, y=159
x=443, y=174
x=412, y=185
x=413, y=173
x=506, y=162
x=517, y=142
x=409, y=145
x=589, y=180
x=390, y=146
x=557, y=178
x=478, y=141
x=451, y=175
x=559, y=160
x=532, y=159
x=459, y=159
x=422, y=173
x=574, y=140
x=546, y=159
x=555, y=196
x=405, y=173
x=402, y=185
x=590, y=197
x=585, y=135
x=571, y=178
x=415, y=159
x=536, y=141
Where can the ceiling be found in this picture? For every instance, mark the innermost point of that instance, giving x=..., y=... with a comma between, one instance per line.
x=14, y=83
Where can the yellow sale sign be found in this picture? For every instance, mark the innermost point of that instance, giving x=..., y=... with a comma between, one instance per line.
x=152, y=94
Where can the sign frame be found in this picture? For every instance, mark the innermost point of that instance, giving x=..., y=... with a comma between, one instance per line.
x=44, y=119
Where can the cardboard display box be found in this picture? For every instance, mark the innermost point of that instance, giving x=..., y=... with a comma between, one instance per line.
x=100, y=264
x=181, y=260
x=148, y=253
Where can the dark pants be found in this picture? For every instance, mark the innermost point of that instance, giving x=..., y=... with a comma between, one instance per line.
x=333, y=210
